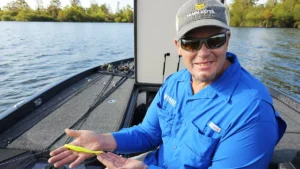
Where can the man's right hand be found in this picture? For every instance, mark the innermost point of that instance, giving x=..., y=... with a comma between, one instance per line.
x=84, y=138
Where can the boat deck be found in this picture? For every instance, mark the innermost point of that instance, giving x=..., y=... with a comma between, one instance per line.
x=99, y=102
x=106, y=117
x=95, y=102
x=288, y=146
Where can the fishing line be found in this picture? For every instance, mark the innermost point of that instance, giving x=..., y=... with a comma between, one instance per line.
x=98, y=102
x=100, y=98
x=83, y=118
x=80, y=119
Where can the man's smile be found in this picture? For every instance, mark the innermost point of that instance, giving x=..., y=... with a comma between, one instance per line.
x=204, y=65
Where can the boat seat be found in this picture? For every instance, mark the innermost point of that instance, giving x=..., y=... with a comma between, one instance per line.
x=286, y=150
x=286, y=155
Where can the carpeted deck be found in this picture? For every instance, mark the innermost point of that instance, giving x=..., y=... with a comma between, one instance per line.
x=105, y=118
x=288, y=146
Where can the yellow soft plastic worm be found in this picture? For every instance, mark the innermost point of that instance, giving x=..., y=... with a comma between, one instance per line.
x=81, y=149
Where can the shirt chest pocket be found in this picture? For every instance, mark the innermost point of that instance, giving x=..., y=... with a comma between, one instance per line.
x=166, y=120
x=199, y=148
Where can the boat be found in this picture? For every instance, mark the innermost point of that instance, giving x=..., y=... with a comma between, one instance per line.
x=115, y=95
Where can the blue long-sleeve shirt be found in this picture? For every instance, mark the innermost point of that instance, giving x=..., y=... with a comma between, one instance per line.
x=229, y=124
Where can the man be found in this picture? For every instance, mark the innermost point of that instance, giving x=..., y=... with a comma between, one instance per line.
x=213, y=114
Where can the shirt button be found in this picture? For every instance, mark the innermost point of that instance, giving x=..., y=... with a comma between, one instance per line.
x=183, y=124
x=165, y=166
x=174, y=147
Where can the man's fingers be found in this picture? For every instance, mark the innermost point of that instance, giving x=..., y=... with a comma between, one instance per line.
x=100, y=157
x=78, y=161
x=72, y=133
x=60, y=156
x=57, y=151
x=104, y=159
x=66, y=160
x=105, y=156
x=116, y=158
x=113, y=156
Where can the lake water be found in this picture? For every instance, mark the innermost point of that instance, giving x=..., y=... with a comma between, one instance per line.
x=34, y=55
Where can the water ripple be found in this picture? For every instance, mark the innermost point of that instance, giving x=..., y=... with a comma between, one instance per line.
x=33, y=57
x=273, y=59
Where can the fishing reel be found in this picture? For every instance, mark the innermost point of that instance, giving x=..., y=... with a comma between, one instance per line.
x=107, y=67
x=103, y=67
x=124, y=68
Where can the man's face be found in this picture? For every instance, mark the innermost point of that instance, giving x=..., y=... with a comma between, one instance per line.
x=205, y=65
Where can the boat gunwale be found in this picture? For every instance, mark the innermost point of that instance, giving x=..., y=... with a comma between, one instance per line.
x=13, y=114
x=289, y=101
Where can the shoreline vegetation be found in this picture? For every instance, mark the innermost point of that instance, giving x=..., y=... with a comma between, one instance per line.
x=19, y=10
x=243, y=13
x=274, y=13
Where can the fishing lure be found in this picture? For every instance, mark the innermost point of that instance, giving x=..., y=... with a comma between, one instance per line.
x=81, y=149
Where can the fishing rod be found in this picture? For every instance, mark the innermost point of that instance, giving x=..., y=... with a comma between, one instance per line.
x=82, y=119
x=100, y=98
x=179, y=56
x=165, y=56
x=10, y=135
x=121, y=70
x=124, y=70
x=97, y=102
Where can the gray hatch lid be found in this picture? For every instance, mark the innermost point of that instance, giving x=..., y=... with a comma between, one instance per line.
x=154, y=37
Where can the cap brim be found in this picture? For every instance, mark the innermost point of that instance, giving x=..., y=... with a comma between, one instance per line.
x=200, y=23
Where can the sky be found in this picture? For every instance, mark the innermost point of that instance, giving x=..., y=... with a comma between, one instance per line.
x=259, y=1
x=84, y=3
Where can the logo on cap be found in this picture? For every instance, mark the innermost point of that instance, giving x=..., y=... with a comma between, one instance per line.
x=199, y=6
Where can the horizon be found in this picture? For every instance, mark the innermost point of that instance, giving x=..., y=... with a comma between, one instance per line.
x=84, y=3
x=87, y=3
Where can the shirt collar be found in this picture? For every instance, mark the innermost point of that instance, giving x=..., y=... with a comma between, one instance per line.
x=224, y=85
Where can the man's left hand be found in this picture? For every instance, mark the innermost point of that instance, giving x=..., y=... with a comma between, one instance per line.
x=113, y=161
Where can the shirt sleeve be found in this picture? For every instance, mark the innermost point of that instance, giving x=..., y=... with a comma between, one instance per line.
x=154, y=167
x=144, y=136
x=250, y=146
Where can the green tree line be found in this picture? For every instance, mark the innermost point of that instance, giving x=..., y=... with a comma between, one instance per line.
x=19, y=10
x=283, y=14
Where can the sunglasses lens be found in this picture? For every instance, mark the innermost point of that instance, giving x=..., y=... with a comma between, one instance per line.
x=190, y=45
x=212, y=42
x=216, y=41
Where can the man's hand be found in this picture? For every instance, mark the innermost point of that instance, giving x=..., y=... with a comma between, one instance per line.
x=84, y=138
x=113, y=161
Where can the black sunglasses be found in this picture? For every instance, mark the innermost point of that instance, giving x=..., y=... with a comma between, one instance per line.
x=212, y=42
